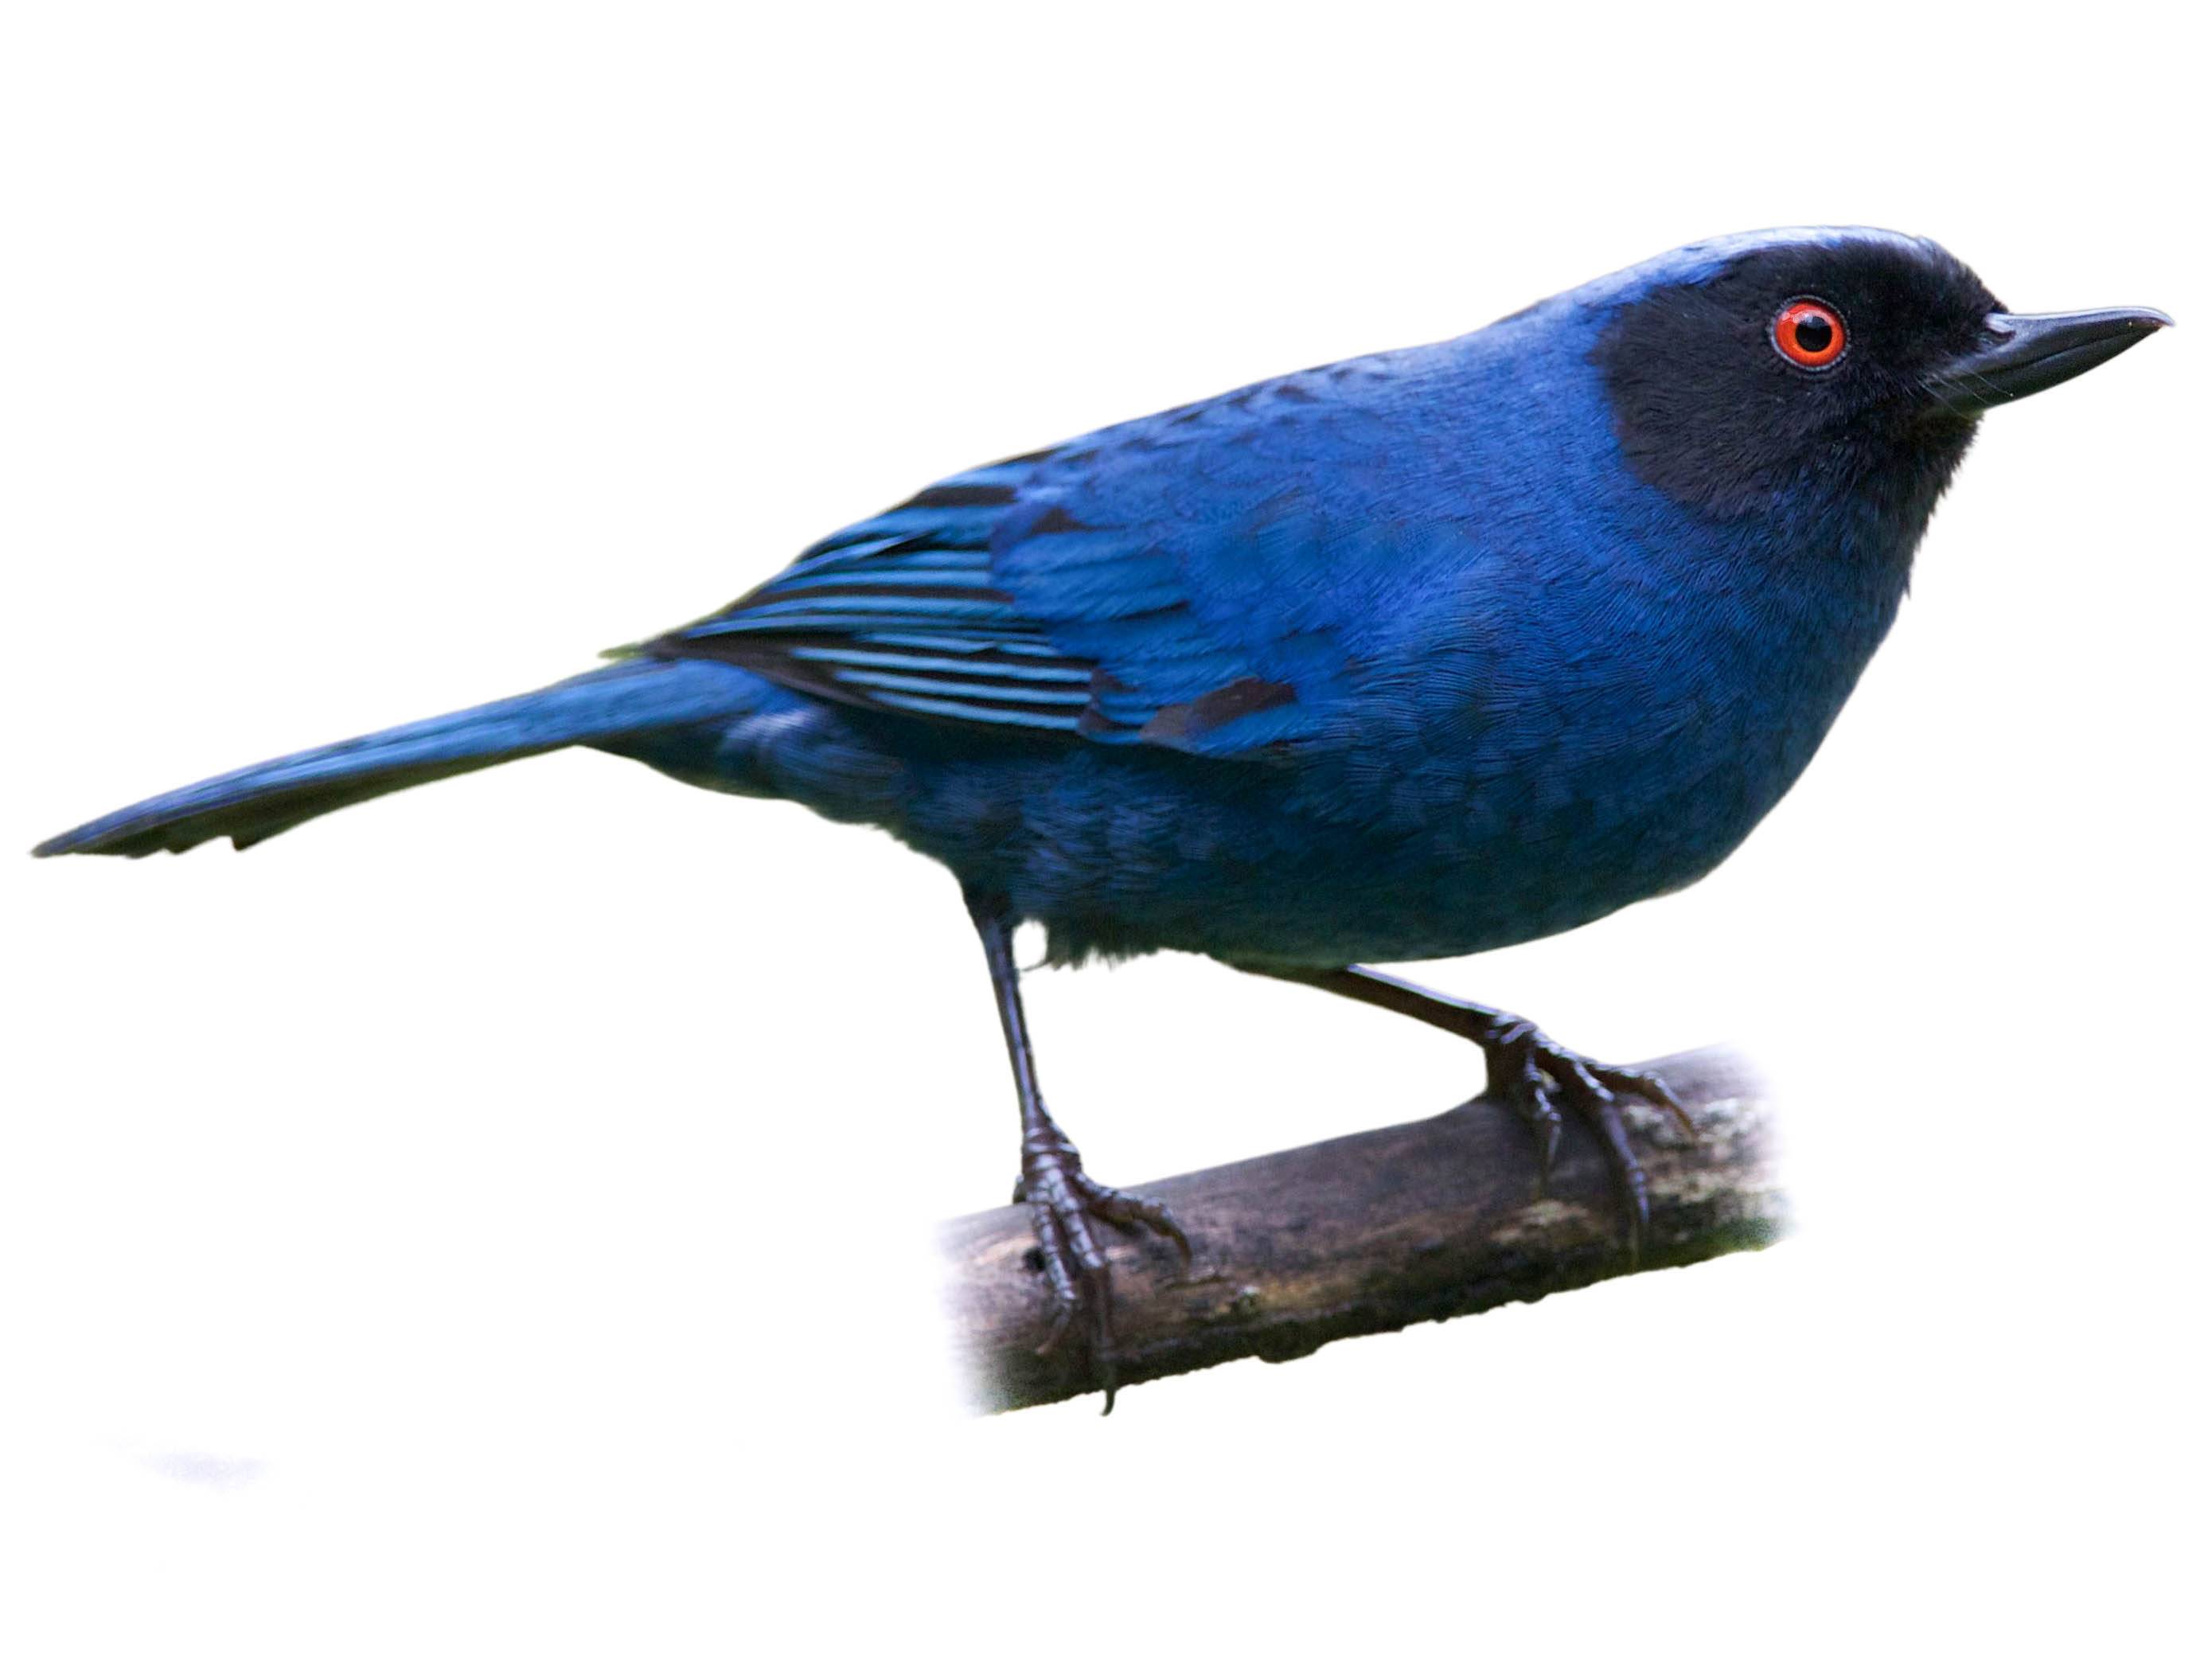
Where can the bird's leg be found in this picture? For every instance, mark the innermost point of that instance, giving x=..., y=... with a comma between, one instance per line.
x=1064, y=1202
x=1528, y=1070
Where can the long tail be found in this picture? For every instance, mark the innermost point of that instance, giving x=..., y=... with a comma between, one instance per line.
x=264, y=801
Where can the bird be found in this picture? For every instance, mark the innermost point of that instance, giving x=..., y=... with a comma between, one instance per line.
x=1415, y=655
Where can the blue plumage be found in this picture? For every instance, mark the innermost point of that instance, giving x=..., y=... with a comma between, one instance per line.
x=1458, y=678
x=1421, y=653
x=256, y=802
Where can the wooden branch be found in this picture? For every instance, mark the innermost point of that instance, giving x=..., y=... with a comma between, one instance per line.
x=1374, y=1232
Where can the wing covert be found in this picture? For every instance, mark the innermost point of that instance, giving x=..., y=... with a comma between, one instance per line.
x=1172, y=581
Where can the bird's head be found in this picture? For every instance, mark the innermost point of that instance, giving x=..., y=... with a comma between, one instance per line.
x=1748, y=373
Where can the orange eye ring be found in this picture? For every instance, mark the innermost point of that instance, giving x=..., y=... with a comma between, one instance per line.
x=1809, y=333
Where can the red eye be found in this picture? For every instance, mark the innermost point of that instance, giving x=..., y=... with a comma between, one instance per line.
x=1808, y=333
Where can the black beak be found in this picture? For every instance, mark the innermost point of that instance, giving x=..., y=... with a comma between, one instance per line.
x=2022, y=356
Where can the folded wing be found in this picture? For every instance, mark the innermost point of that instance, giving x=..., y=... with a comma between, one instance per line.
x=1199, y=580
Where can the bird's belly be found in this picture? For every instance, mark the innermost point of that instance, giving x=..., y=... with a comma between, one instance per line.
x=1119, y=858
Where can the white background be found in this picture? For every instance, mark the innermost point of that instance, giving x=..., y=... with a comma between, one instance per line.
x=494, y=1220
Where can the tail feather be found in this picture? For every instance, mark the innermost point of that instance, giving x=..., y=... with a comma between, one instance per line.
x=260, y=801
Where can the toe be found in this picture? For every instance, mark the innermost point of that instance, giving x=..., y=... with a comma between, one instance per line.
x=1065, y=1205
x=1649, y=1086
x=1595, y=1092
x=1531, y=1093
x=1150, y=1214
x=1058, y=1273
x=1538, y=1078
x=1628, y=1172
x=1132, y=1212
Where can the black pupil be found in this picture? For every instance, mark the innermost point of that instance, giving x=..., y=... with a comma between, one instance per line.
x=1815, y=332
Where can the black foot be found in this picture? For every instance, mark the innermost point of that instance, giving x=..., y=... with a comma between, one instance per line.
x=1536, y=1077
x=1063, y=1203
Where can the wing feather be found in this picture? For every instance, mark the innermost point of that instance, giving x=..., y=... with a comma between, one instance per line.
x=1166, y=582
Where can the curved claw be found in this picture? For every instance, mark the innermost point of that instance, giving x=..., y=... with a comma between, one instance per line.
x=1104, y=1359
x=1651, y=1087
x=1542, y=1114
x=1547, y=1154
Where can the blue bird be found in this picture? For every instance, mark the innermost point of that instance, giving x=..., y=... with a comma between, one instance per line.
x=1414, y=655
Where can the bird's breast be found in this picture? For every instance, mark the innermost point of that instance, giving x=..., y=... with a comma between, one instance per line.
x=1621, y=734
